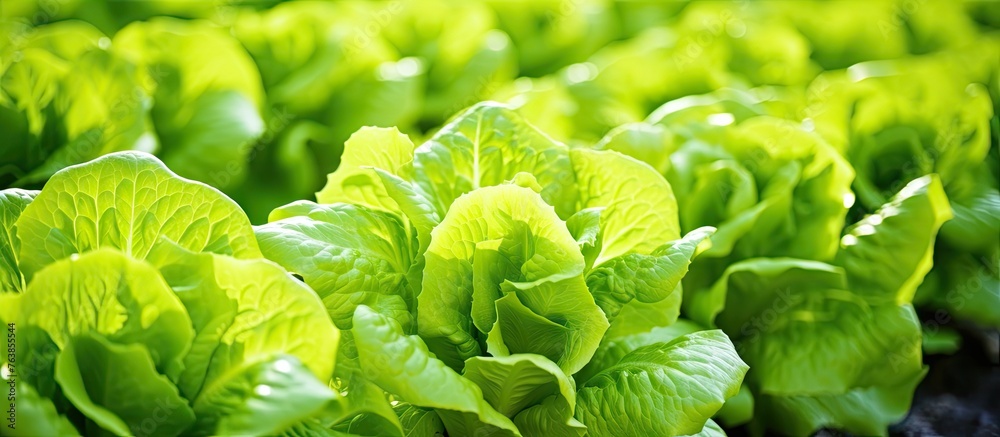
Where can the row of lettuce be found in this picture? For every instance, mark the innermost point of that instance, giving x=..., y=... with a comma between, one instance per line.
x=491, y=281
x=825, y=189
x=223, y=90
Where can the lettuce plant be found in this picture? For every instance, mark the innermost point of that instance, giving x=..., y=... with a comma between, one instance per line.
x=141, y=306
x=507, y=283
x=771, y=187
x=897, y=120
x=823, y=315
x=51, y=118
x=834, y=344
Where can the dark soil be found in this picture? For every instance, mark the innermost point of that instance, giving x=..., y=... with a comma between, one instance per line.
x=961, y=394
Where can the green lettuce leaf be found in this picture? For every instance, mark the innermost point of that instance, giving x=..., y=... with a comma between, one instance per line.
x=403, y=366
x=36, y=414
x=243, y=312
x=67, y=101
x=544, y=263
x=12, y=203
x=487, y=145
x=514, y=383
x=346, y=268
x=899, y=238
x=128, y=201
x=693, y=374
x=118, y=388
x=130, y=303
x=261, y=398
x=644, y=278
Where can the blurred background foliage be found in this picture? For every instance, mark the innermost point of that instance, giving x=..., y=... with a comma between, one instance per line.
x=257, y=98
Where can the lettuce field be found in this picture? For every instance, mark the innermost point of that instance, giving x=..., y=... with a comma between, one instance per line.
x=500, y=218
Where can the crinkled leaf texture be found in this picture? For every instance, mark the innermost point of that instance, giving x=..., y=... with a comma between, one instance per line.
x=128, y=201
x=503, y=250
x=350, y=254
x=664, y=388
x=634, y=279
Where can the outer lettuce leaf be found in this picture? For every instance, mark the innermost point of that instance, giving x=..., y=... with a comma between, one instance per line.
x=739, y=409
x=12, y=203
x=354, y=182
x=803, y=174
x=649, y=143
x=403, y=366
x=644, y=278
x=711, y=429
x=899, y=238
x=865, y=410
x=549, y=418
x=367, y=402
x=639, y=212
x=487, y=145
x=613, y=350
x=765, y=183
x=545, y=276
x=118, y=388
x=418, y=421
x=883, y=344
x=351, y=255
x=585, y=226
x=514, y=383
x=863, y=376
x=130, y=304
x=693, y=375
x=966, y=286
x=261, y=398
x=128, y=201
x=244, y=312
x=413, y=421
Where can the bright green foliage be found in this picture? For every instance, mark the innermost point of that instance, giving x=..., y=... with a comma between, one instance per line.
x=130, y=324
x=689, y=367
x=206, y=96
x=478, y=272
x=128, y=201
x=670, y=192
x=12, y=203
x=52, y=119
x=778, y=311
